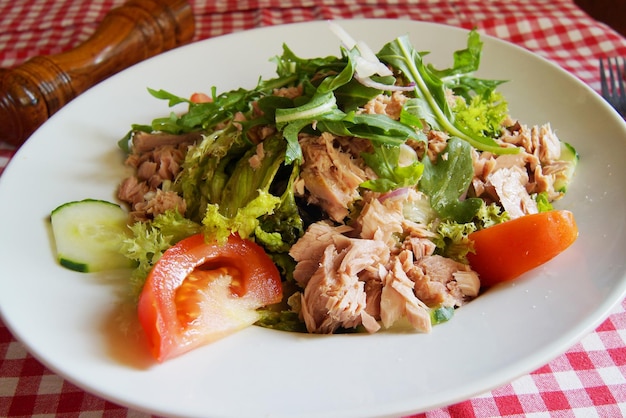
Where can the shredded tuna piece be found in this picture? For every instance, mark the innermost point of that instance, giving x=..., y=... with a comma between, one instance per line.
x=419, y=247
x=156, y=203
x=257, y=134
x=437, y=142
x=334, y=297
x=381, y=221
x=256, y=159
x=154, y=167
x=510, y=187
x=143, y=142
x=399, y=301
x=309, y=249
x=467, y=282
x=132, y=190
x=386, y=105
x=289, y=92
x=331, y=176
x=539, y=157
x=437, y=282
x=372, y=277
x=549, y=148
x=158, y=164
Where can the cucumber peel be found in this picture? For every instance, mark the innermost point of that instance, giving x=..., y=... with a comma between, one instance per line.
x=563, y=178
x=88, y=235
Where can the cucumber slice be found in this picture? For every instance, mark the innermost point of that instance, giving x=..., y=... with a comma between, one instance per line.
x=88, y=235
x=563, y=178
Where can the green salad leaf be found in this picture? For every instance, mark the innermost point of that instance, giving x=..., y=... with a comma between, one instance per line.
x=385, y=161
x=482, y=114
x=447, y=180
x=431, y=98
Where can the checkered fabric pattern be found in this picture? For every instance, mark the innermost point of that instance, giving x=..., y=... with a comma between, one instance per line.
x=589, y=380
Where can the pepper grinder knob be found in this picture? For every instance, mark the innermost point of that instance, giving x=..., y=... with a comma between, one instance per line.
x=33, y=91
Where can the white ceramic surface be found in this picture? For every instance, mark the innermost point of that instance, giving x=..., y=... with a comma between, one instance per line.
x=69, y=320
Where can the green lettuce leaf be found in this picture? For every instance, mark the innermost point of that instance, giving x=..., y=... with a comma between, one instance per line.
x=391, y=175
x=430, y=91
x=149, y=240
x=483, y=114
x=448, y=179
x=218, y=227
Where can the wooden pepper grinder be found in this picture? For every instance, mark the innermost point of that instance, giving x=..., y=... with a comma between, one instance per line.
x=33, y=91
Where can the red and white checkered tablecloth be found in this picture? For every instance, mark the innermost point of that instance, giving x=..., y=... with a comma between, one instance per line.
x=589, y=380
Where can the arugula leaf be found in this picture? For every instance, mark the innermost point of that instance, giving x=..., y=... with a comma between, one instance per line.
x=391, y=175
x=173, y=99
x=331, y=83
x=292, y=120
x=460, y=76
x=289, y=64
x=377, y=128
x=354, y=94
x=430, y=91
x=447, y=180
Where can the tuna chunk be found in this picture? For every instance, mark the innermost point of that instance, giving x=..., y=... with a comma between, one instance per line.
x=381, y=221
x=510, y=187
x=330, y=175
x=143, y=142
x=541, y=150
x=154, y=166
x=436, y=281
x=398, y=300
x=386, y=105
x=367, y=276
x=156, y=203
x=309, y=249
x=419, y=247
x=132, y=191
x=334, y=296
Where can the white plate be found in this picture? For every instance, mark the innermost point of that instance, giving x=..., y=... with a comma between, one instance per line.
x=68, y=320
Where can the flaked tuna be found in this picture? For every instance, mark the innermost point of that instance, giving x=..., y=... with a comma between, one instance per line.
x=334, y=296
x=309, y=249
x=143, y=142
x=386, y=105
x=509, y=185
x=360, y=276
x=332, y=177
x=398, y=300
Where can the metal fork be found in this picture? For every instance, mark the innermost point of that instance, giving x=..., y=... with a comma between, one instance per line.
x=613, y=84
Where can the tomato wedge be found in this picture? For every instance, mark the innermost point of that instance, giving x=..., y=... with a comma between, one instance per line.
x=200, y=98
x=507, y=250
x=199, y=292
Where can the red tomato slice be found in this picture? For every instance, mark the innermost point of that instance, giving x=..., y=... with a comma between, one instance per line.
x=199, y=292
x=505, y=251
x=200, y=98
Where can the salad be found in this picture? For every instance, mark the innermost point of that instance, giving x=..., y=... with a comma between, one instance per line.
x=351, y=193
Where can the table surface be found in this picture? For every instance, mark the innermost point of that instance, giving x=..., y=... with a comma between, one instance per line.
x=589, y=380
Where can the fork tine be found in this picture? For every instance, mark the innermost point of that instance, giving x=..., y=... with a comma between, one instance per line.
x=613, y=68
x=611, y=77
x=612, y=82
x=603, y=81
x=603, y=84
x=620, y=76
